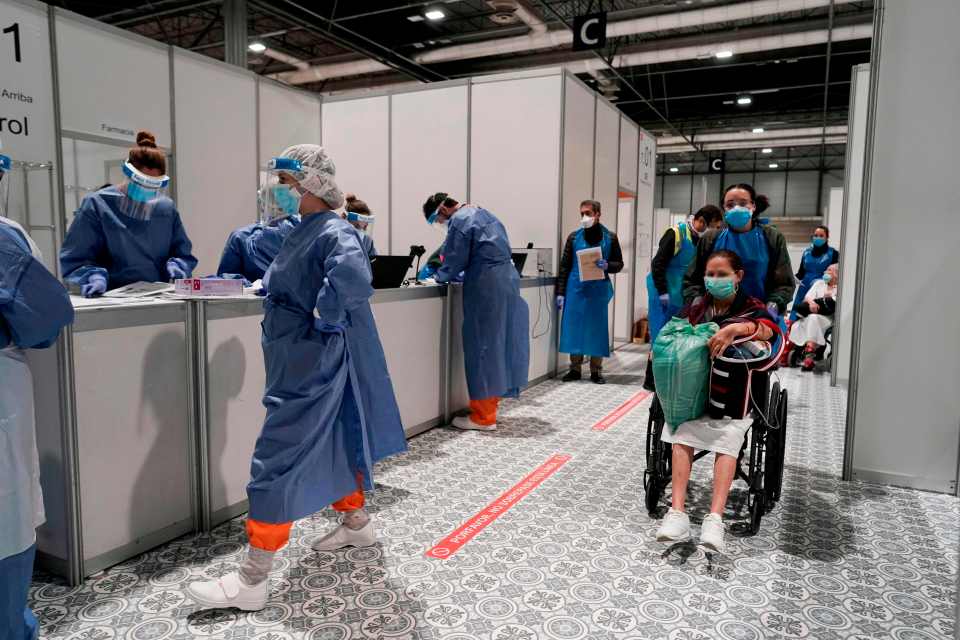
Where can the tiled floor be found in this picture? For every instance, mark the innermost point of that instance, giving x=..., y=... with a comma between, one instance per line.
x=576, y=558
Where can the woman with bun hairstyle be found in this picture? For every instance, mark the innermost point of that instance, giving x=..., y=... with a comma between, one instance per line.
x=359, y=215
x=768, y=275
x=129, y=232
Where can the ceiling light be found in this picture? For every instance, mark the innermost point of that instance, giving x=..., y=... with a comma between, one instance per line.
x=723, y=55
x=674, y=169
x=257, y=47
x=766, y=150
x=434, y=15
x=758, y=129
x=415, y=18
x=744, y=100
x=773, y=165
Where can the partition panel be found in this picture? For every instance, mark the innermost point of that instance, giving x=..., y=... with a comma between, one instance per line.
x=515, y=155
x=849, y=237
x=606, y=179
x=112, y=83
x=623, y=315
x=356, y=134
x=834, y=214
x=578, y=132
x=287, y=117
x=646, y=233
x=428, y=154
x=904, y=409
x=216, y=153
x=629, y=154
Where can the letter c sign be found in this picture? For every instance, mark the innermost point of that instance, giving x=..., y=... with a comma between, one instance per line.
x=590, y=32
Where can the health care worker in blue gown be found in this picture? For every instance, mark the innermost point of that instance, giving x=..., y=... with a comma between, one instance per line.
x=251, y=249
x=496, y=321
x=814, y=263
x=358, y=214
x=675, y=252
x=130, y=232
x=331, y=409
x=768, y=275
x=34, y=306
x=585, y=330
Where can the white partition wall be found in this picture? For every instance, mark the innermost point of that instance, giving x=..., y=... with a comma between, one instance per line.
x=579, y=114
x=849, y=236
x=112, y=83
x=356, y=134
x=216, y=145
x=903, y=415
x=515, y=155
x=647, y=234
x=428, y=153
x=286, y=117
x=606, y=177
x=629, y=154
x=623, y=318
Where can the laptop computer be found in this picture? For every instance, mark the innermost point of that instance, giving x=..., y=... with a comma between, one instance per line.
x=519, y=260
x=389, y=272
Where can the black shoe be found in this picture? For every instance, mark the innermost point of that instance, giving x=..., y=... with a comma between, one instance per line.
x=597, y=378
x=572, y=376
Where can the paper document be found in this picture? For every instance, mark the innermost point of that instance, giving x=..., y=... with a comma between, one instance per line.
x=587, y=260
x=139, y=289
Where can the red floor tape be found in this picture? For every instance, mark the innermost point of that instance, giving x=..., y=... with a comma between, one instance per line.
x=452, y=543
x=621, y=411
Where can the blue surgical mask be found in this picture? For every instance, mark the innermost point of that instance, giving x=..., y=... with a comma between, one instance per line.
x=819, y=242
x=287, y=198
x=827, y=277
x=721, y=288
x=738, y=217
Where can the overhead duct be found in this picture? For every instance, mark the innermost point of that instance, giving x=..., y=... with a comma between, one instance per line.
x=544, y=39
x=726, y=136
x=750, y=144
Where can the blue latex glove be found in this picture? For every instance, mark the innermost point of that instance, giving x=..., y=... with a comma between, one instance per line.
x=772, y=308
x=96, y=286
x=174, y=271
x=560, y=300
x=665, y=300
x=603, y=264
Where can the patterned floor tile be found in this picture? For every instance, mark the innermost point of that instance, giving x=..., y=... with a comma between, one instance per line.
x=577, y=558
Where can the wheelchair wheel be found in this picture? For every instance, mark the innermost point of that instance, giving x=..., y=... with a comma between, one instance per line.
x=773, y=465
x=757, y=508
x=782, y=453
x=657, y=474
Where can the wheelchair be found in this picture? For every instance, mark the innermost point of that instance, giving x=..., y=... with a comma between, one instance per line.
x=763, y=451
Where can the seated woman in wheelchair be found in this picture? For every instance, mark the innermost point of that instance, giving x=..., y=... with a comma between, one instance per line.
x=739, y=316
x=815, y=316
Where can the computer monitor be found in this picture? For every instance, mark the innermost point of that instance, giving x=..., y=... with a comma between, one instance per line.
x=519, y=260
x=390, y=271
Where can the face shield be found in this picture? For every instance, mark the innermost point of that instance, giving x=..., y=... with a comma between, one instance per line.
x=6, y=165
x=362, y=222
x=142, y=192
x=278, y=200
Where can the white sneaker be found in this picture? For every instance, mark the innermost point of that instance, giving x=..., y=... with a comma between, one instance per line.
x=344, y=536
x=711, y=534
x=229, y=591
x=465, y=423
x=675, y=527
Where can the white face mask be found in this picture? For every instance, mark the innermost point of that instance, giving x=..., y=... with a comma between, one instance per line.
x=587, y=221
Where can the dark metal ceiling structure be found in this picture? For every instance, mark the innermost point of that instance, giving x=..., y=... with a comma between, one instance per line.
x=799, y=86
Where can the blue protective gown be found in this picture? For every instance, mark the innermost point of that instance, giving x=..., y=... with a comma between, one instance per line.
x=752, y=248
x=585, y=329
x=813, y=269
x=366, y=241
x=496, y=321
x=103, y=240
x=34, y=306
x=250, y=249
x=331, y=410
x=657, y=316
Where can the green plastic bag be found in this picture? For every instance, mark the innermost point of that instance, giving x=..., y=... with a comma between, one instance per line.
x=681, y=369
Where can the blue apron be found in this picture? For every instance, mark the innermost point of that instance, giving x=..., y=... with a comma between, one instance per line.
x=496, y=320
x=585, y=329
x=754, y=253
x=657, y=316
x=813, y=269
x=331, y=410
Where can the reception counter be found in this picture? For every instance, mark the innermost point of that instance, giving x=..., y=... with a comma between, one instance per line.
x=151, y=435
